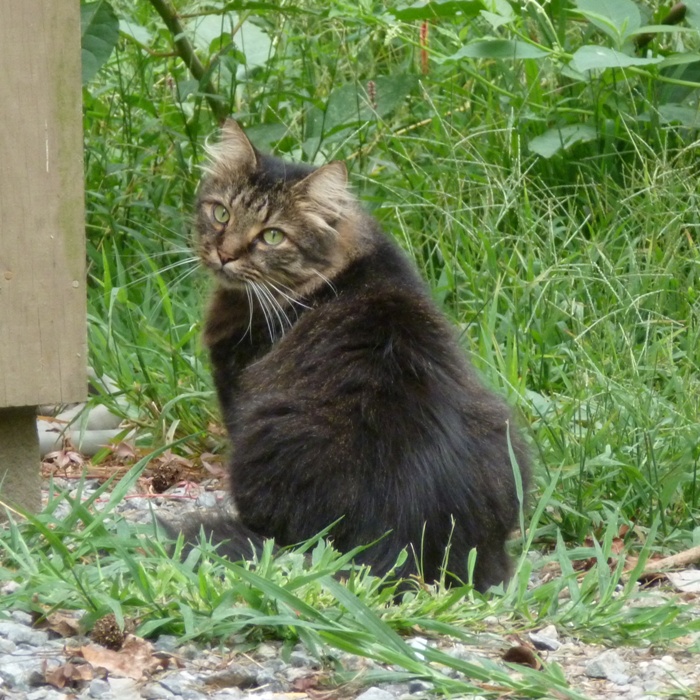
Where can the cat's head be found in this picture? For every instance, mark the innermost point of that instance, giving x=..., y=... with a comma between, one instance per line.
x=263, y=221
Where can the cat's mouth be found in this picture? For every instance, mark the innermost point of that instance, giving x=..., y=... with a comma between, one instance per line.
x=229, y=278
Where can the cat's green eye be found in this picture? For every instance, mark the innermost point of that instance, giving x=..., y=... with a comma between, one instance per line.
x=272, y=236
x=221, y=213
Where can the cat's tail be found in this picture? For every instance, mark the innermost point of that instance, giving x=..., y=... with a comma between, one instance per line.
x=231, y=538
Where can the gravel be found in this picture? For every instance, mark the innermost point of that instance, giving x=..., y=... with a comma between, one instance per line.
x=634, y=674
x=29, y=656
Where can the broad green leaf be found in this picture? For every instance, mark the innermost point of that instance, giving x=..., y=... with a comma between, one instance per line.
x=601, y=57
x=429, y=9
x=135, y=32
x=99, y=33
x=206, y=29
x=249, y=39
x=555, y=140
x=679, y=59
x=617, y=18
x=350, y=104
x=663, y=29
x=254, y=43
x=500, y=49
x=500, y=13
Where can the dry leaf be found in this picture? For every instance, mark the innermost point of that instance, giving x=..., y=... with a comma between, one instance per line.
x=213, y=464
x=134, y=660
x=687, y=581
x=64, y=624
x=69, y=675
x=123, y=451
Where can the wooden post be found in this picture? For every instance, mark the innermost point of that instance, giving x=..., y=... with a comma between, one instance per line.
x=42, y=244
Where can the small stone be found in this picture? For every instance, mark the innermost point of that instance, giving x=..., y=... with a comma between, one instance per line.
x=229, y=694
x=419, y=644
x=300, y=659
x=155, y=691
x=6, y=646
x=662, y=665
x=18, y=672
x=608, y=665
x=21, y=634
x=267, y=651
x=22, y=618
x=417, y=687
x=189, y=652
x=207, y=499
x=546, y=639
x=166, y=642
x=124, y=689
x=178, y=683
x=98, y=688
x=375, y=693
x=234, y=676
x=9, y=587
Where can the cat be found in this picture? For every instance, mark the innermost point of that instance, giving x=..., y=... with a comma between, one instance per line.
x=344, y=392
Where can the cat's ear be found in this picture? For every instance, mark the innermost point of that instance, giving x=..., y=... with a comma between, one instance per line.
x=327, y=186
x=234, y=152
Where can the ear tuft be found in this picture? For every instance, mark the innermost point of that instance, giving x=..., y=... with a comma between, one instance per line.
x=234, y=151
x=328, y=186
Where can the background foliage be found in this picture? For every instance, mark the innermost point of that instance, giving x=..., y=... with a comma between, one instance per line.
x=537, y=160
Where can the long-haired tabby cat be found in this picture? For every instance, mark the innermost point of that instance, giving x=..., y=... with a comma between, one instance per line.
x=344, y=392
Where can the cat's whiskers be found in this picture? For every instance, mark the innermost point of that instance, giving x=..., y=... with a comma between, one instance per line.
x=326, y=280
x=286, y=296
x=263, y=306
x=190, y=261
x=276, y=307
x=249, y=294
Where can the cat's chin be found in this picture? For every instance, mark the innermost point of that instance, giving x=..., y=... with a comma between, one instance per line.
x=228, y=282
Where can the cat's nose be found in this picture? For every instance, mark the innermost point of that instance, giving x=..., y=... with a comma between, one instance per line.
x=227, y=257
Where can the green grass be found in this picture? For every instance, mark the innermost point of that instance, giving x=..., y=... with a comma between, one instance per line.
x=572, y=279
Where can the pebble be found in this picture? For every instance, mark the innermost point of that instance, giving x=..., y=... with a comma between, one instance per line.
x=374, y=693
x=547, y=639
x=608, y=665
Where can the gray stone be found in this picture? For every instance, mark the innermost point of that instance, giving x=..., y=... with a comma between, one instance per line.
x=21, y=617
x=179, y=682
x=300, y=659
x=166, y=642
x=21, y=634
x=6, y=646
x=608, y=665
x=546, y=639
x=155, y=691
x=228, y=694
x=17, y=672
x=375, y=693
x=46, y=694
x=235, y=676
x=417, y=687
x=98, y=688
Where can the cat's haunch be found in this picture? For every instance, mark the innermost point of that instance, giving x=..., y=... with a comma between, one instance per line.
x=344, y=391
